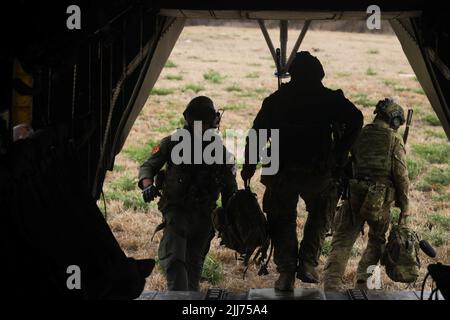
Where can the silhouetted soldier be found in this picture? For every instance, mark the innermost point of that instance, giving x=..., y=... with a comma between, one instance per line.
x=317, y=127
x=189, y=195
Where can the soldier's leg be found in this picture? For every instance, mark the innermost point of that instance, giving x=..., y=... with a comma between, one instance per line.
x=321, y=205
x=172, y=252
x=375, y=244
x=346, y=232
x=281, y=209
x=199, y=241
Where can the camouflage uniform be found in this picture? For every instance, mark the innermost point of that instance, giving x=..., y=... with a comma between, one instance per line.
x=189, y=195
x=305, y=113
x=381, y=178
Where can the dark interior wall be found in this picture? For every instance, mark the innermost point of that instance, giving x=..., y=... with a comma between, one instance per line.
x=82, y=78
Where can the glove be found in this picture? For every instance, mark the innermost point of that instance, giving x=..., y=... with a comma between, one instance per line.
x=150, y=193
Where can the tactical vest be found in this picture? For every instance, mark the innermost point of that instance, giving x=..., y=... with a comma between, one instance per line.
x=192, y=186
x=372, y=153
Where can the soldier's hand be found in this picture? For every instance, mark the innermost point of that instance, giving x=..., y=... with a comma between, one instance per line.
x=150, y=193
x=247, y=172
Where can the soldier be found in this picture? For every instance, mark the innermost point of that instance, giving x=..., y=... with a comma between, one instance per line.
x=189, y=195
x=380, y=179
x=305, y=112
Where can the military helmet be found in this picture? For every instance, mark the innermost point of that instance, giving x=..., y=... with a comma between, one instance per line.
x=201, y=108
x=306, y=66
x=390, y=112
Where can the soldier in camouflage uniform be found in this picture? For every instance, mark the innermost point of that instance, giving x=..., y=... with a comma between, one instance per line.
x=380, y=179
x=305, y=112
x=189, y=195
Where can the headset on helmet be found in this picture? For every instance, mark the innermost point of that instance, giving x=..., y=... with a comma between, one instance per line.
x=202, y=109
x=391, y=112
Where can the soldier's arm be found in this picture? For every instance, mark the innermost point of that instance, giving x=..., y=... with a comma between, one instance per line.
x=351, y=118
x=229, y=185
x=400, y=175
x=160, y=155
x=261, y=122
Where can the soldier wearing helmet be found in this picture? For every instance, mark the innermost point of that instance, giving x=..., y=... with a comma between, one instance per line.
x=189, y=192
x=305, y=112
x=380, y=180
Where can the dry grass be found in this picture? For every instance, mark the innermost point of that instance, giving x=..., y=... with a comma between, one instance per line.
x=237, y=53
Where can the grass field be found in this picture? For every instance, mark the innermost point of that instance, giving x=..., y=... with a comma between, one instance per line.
x=233, y=66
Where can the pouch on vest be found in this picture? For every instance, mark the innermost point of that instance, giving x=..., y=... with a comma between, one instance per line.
x=373, y=202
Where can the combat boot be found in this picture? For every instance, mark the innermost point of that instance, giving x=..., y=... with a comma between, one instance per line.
x=285, y=282
x=307, y=272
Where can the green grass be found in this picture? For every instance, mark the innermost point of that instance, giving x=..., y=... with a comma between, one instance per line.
x=246, y=94
x=234, y=88
x=363, y=99
x=119, y=168
x=252, y=75
x=438, y=177
x=394, y=84
x=235, y=106
x=343, y=74
x=371, y=72
x=390, y=83
x=124, y=183
x=395, y=214
x=437, y=236
x=177, y=77
x=162, y=91
x=373, y=51
x=260, y=90
x=124, y=189
x=212, y=270
x=417, y=109
x=439, y=220
x=193, y=87
x=424, y=186
x=433, y=152
x=213, y=76
x=130, y=200
x=254, y=64
x=140, y=153
x=415, y=167
x=432, y=120
x=444, y=197
x=170, y=64
x=418, y=91
x=326, y=247
x=436, y=134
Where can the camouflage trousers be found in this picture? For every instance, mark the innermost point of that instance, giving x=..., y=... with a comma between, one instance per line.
x=348, y=225
x=280, y=204
x=184, y=246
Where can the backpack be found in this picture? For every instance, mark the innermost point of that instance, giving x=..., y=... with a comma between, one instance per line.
x=243, y=227
x=401, y=255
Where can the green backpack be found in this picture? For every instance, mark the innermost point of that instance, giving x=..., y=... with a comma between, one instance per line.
x=401, y=255
x=243, y=227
